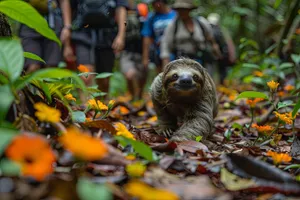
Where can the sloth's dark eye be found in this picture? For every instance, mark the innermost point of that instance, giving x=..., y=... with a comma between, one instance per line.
x=195, y=77
x=174, y=76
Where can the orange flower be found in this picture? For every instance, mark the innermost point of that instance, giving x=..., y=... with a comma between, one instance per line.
x=96, y=105
x=286, y=117
x=70, y=97
x=123, y=131
x=83, y=145
x=289, y=88
x=83, y=68
x=143, y=191
x=124, y=110
x=130, y=157
x=281, y=93
x=253, y=102
x=258, y=73
x=279, y=157
x=33, y=153
x=273, y=85
x=263, y=129
x=46, y=113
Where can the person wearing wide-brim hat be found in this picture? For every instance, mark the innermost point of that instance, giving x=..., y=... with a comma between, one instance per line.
x=188, y=36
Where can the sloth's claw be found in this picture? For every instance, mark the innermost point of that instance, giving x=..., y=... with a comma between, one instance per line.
x=167, y=133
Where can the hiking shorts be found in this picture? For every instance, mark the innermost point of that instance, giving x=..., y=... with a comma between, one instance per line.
x=103, y=58
x=132, y=60
x=35, y=43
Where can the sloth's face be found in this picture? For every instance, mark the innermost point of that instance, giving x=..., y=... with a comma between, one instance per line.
x=183, y=84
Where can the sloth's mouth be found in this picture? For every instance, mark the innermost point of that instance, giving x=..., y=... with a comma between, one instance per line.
x=184, y=86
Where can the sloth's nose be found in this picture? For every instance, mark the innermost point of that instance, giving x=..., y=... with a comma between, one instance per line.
x=186, y=81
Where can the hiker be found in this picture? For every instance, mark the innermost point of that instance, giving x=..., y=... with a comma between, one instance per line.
x=58, y=16
x=189, y=37
x=226, y=45
x=153, y=30
x=99, y=33
x=131, y=58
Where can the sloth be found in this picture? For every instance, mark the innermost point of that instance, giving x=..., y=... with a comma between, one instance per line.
x=185, y=100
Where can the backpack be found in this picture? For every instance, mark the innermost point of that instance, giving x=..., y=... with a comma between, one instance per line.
x=96, y=13
x=133, y=27
x=205, y=55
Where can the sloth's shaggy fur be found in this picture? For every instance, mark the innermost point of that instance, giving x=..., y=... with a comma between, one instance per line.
x=184, y=112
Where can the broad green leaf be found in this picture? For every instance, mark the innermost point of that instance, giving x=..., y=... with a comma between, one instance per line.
x=296, y=58
x=252, y=94
x=88, y=190
x=26, y=14
x=6, y=136
x=250, y=65
x=104, y=75
x=9, y=167
x=296, y=108
x=78, y=116
x=139, y=147
x=5, y=101
x=33, y=57
x=284, y=104
x=286, y=65
x=236, y=125
x=11, y=57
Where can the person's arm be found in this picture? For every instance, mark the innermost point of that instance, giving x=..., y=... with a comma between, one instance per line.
x=167, y=43
x=66, y=14
x=119, y=41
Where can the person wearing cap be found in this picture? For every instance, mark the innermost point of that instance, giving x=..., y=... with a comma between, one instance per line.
x=189, y=37
x=153, y=30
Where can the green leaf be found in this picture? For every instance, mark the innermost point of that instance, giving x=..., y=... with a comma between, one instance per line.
x=11, y=57
x=252, y=94
x=6, y=136
x=296, y=108
x=26, y=14
x=104, y=75
x=9, y=167
x=284, y=104
x=250, y=65
x=78, y=116
x=296, y=58
x=51, y=73
x=88, y=190
x=5, y=102
x=236, y=125
x=293, y=166
x=33, y=57
x=139, y=147
x=199, y=138
x=286, y=65
x=228, y=134
x=44, y=87
x=277, y=3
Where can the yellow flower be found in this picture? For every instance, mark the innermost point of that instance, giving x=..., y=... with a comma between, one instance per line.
x=46, y=114
x=123, y=131
x=258, y=73
x=111, y=102
x=253, y=102
x=279, y=157
x=143, y=191
x=136, y=169
x=263, y=129
x=130, y=157
x=152, y=119
x=96, y=105
x=83, y=145
x=70, y=97
x=286, y=117
x=83, y=68
x=289, y=88
x=273, y=85
x=141, y=113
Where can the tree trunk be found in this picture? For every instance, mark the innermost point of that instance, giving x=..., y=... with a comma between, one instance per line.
x=292, y=14
x=5, y=30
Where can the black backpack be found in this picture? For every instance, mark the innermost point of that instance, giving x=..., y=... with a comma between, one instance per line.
x=133, y=27
x=95, y=14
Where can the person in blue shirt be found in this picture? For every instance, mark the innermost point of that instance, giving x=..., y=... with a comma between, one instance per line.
x=153, y=30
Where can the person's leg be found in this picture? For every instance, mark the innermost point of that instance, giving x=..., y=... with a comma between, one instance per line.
x=32, y=45
x=128, y=70
x=104, y=63
x=141, y=76
x=52, y=53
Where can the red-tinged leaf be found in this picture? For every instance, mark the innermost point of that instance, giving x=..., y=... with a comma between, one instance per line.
x=164, y=147
x=101, y=124
x=192, y=146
